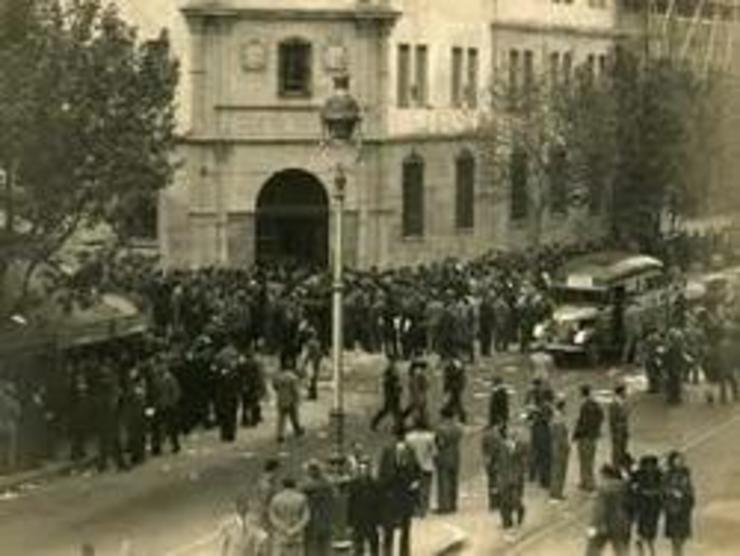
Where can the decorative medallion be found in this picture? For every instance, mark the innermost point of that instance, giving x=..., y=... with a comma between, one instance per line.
x=336, y=57
x=254, y=55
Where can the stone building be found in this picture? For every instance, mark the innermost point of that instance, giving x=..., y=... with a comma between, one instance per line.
x=256, y=184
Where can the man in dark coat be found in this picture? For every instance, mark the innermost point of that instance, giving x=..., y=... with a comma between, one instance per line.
x=610, y=521
x=398, y=478
x=560, y=450
x=586, y=435
x=363, y=513
x=253, y=388
x=491, y=446
x=107, y=417
x=498, y=405
x=392, y=391
x=449, y=436
x=321, y=497
x=418, y=390
x=165, y=396
x=228, y=390
x=512, y=471
x=454, y=381
x=619, y=426
x=288, y=399
x=487, y=322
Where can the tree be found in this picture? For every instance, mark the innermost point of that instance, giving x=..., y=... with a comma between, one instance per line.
x=88, y=119
x=538, y=138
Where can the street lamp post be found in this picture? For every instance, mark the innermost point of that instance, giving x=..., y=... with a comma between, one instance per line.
x=340, y=118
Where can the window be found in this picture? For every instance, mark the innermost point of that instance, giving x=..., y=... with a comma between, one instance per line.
x=514, y=74
x=567, y=67
x=472, y=88
x=413, y=196
x=528, y=72
x=294, y=62
x=558, y=180
x=421, y=87
x=465, y=191
x=519, y=176
x=457, y=77
x=554, y=69
x=597, y=3
x=404, y=75
x=590, y=68
x=602, y=66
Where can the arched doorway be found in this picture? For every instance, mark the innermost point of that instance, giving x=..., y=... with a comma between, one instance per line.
x=293, y=220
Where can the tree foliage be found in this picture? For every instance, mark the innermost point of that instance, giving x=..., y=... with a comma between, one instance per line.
x=88, y=119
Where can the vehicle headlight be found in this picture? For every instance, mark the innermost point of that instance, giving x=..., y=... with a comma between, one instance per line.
x=580, y=338
x=540, y=331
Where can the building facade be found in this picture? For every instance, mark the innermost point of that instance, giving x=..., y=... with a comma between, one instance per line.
x=256, y=183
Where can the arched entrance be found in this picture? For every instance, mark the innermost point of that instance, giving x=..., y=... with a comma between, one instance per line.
x=293, y=220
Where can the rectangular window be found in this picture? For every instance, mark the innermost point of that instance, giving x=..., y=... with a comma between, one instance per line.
x=567, y=68
x=554, y=69
x=421, y=87
x=413, y=197
x=294, y=63
x=590, y=68
x=602, y=66
x=472, y=88
x=404, y=75
x=457, y=77
x=558, y=181
x=519, y=176
x=465, y=191
x=528, y=72
x=514, y=76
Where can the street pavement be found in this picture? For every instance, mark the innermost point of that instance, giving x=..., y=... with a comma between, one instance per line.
x=172, y=505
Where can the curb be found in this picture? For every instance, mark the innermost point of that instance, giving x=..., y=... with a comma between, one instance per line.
x=458, y=540
x=43, y=474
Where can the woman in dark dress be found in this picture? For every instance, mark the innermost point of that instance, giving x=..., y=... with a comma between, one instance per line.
x=648, y=503
x=678, y=501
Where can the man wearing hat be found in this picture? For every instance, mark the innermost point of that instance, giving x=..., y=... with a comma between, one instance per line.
x=392, y=391
x=619, y=426
x=321, y=497
x=560, y=449
x=453, y=386
x=418, y=388
x=363, y=511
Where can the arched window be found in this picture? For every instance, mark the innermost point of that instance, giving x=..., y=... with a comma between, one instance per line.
x=294, y=68
x=519, y=175
x=413, y=196
x=465, y=191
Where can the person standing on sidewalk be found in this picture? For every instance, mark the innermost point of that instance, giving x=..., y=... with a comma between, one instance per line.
x=423, y=442
x=165, y=394
x=363, y=512
x=449, y=437
x=586, y=435
x=679, y=501
x=288, y=398
x=10, y=413
x=512, y=473
x=610, y=521
x=314, y=355
x=619, y=426
x=267, y=487
x=321, y=497
x=398, y=477
x=560, y=450
x=253, y=388
x=648, y=503
x=392, y=391
x=289, y=515
x=491, y=445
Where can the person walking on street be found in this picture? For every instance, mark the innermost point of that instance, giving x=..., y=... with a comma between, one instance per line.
x=289, y=515
x=10, y=413
x=288, y=398
x=418, y=389
x=728, y=361
x=242, y=533
x=423, y=442
x=267, y=487
x=512, y=472
x=491, y=445
x=321, y=497
x=314, y=355
x=619, y=427
x=679, y=501
x=648, y=503
x=398, y=478
x=449, y=437
x=498, y=405
x=363, y=515
x=227, y=391
x=560, y=451
x=586, y=435
x=392, y=391
x=539, y=404
x=610, y=520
